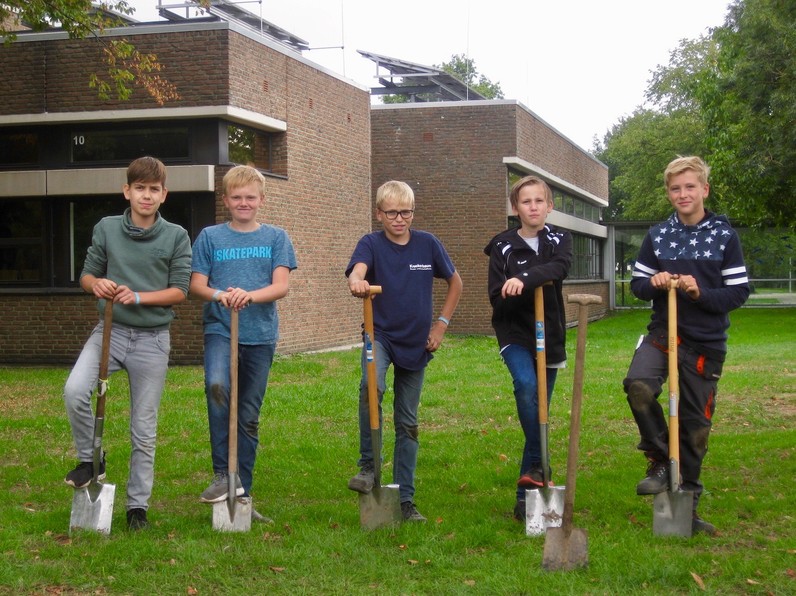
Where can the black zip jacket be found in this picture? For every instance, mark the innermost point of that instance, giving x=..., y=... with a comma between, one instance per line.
x=513, y=317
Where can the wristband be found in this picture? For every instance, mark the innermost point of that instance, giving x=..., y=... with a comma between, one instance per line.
x=137, y=297
x=215, y=296
x=444, y=320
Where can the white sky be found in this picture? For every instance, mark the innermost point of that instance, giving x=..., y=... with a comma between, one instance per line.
x=580, y=65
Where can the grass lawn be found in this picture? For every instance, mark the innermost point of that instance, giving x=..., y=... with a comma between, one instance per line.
x=470, y=446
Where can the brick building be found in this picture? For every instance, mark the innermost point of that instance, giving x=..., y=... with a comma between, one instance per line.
x=250, y=97
x=461, y=158
x=244, y=97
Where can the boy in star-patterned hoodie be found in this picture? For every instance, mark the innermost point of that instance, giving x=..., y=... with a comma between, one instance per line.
x=702, y=252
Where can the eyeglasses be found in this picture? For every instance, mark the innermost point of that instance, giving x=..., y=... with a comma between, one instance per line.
x=404, y=213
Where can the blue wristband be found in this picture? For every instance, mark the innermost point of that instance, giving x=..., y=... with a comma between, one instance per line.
x=137, y=297
x=444, y=320
x=215, y=296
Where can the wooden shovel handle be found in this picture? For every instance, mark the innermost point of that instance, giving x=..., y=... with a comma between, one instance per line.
x=674, y=385
x=105, y=356
x=541, y=357
x=370, y=359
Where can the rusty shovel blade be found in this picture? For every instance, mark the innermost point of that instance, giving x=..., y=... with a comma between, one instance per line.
x=564, y=551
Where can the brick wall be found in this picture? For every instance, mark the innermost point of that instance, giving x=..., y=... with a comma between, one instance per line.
x=452, y=156
x=323, y=201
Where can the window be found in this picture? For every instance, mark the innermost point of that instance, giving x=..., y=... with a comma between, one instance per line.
x=247, y=146
x=43, y=242
x=93, y=145
x=586, y=258
x=19, y=148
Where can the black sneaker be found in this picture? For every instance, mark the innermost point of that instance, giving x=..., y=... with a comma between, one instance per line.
x=519, y=510
x=699, y=525
x=657, y=480
x=84, y=472
x=363, y=481
x=410, y=513
x=136, y=519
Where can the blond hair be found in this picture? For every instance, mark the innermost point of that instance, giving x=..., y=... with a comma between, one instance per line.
x=395, y=189
x=684, y=164
x=240, y=176
x=527, y=181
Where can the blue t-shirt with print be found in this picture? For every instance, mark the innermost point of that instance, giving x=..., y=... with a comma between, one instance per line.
x=232, y=259
x=402, y=313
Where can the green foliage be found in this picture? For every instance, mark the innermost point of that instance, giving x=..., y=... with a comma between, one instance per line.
x=127, y=67
x=732, y=97
x=470, y=446
x=637, y=150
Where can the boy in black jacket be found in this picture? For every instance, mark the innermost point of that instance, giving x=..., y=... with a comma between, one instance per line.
x=702, y=252
x=521, y=259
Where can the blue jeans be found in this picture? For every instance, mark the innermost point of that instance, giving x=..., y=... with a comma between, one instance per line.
x=144, y=354
x=407, y=385
x=522, y=365
x=254, y=365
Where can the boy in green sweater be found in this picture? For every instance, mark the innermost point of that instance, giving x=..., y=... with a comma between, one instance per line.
x=143, y=264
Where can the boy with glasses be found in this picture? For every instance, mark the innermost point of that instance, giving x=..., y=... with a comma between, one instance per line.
x=245, y=265
x=404, y=263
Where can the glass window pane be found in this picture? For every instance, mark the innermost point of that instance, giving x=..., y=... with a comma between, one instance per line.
x=126, y=145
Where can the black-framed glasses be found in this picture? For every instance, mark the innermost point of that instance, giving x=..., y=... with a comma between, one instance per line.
x=404, y=213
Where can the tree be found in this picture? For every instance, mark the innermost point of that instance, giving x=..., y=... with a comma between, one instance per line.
x=464, y=69
x=127, y=67
x=637, y=150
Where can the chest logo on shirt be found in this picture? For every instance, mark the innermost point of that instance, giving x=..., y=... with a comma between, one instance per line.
x=419, y=267
x=247, y=252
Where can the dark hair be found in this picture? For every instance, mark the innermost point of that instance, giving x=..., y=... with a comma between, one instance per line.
x=146, y=169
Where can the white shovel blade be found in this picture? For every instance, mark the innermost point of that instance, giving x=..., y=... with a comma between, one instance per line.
x=544, y=509
x=96, y=514
x=242, y=521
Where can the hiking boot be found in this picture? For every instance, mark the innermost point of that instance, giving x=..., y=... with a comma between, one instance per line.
x=363, y=481
x=136, y=519
x=699, y=525
x=533, y=478
x=519, y=510
x=260, y=518
x=657, y=480
x=410, y=513
x=84, y=472
x=218, y=489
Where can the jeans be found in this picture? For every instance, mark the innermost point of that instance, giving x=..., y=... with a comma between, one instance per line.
x=254, y=365
x=522, y=365
x=144, y=354
x=407, y=385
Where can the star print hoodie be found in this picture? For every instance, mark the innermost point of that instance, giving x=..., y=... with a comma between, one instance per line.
x=513, y=317
x=711, y=252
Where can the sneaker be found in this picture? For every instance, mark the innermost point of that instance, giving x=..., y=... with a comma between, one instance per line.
x=410, y=512
x=363, y=481
x=84, y=472
x=657, y=480
x=534, y=478
x=519, y=510
x=218, y=489
x=136, y=519
x=260, y=518
x=699, y=525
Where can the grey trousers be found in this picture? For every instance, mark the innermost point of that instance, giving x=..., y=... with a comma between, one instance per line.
x=144, y=354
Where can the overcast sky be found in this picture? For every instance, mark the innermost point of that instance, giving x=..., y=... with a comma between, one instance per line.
x=580, y=65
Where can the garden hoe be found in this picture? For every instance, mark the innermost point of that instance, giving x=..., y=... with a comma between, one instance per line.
x=92, y=506
x=566, y=547
x=672, y=511
x=382, y=506
x=543, y=506
x=234, y=514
